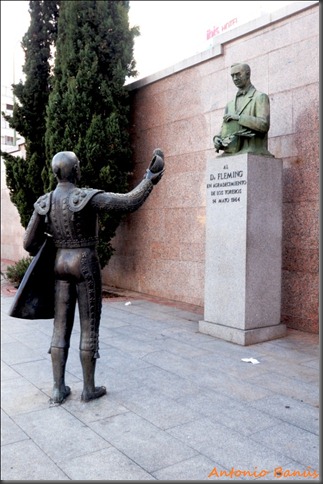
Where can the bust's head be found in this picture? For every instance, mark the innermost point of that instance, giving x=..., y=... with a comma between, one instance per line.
x=240, y=74
x=66, y=166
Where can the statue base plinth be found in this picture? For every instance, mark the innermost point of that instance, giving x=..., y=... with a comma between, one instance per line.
x=244, y=337
x=243, y=249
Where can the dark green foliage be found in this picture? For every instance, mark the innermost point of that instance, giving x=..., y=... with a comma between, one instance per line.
x=16, y=272
x=81, y=106
x=29, y=114
x=21, y=195
x=88, y=109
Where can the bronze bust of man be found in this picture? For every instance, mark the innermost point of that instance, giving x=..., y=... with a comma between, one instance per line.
x=70, y=216
x=246, y=120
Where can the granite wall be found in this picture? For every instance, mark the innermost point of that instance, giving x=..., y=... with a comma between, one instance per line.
x=160, y=249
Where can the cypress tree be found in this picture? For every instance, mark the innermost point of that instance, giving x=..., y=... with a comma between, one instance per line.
x=88, y=109
x=23, y=176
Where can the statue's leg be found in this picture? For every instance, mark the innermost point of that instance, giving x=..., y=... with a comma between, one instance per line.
x=65, y=300
x=60, y=390
x=90, y=391
x=90, y=301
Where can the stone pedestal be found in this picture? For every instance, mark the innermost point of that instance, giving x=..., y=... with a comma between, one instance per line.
x=243, y=249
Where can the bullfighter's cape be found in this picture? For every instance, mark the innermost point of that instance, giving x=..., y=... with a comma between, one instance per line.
x=34, y=298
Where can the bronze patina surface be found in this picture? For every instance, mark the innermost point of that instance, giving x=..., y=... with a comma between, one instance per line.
x=246, y=119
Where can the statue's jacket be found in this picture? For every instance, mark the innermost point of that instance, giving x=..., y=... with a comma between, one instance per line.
x=254, y=115
x=66, y=218
x=70, y=214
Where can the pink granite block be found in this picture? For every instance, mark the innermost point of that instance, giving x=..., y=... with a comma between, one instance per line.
x=127, y=234
x=216, y=120
x=214, y=95
x=209, y=133
x=146, y=279
x=281, y=114
x=172, y=138
x=183, y=102
x=185, y=162
x=143, y=228
x=253, y=47
x=300, y=180
x=302, y=25
x=308, y=149
x=119, y=271
x=300, y=293
x=307, y=144
x=216, y=65
x=306, y=102
x=310, y=325
x=186, y=76
x=275, y=37
x=300, y=260
x=164, y=250
x=194, y=252
x=187, y=191
x=179, y=223
x=282, y=146
x=135, y=240
x=301, y=225
x=190, y=135
x=148, y=140
x=182, y=281
x=174, y=104
x=142, y=111
x=292, y=67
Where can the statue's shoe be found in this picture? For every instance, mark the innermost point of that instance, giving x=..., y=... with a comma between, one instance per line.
x=59, y=397
x=98, y=392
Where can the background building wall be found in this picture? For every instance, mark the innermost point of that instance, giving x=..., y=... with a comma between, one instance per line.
x=12, y=232
x=10, y=139
x=160, y=248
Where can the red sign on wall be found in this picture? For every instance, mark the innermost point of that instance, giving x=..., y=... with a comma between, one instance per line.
x=216, y=30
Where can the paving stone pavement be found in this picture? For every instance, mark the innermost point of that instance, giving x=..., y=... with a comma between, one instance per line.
x=181, y=405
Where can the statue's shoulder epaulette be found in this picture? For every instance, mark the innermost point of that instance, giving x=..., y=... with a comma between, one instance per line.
x=79, y=197
x=42, y=205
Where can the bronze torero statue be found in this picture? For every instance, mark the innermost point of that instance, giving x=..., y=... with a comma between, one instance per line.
x=246, y=120
x=69, y=215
